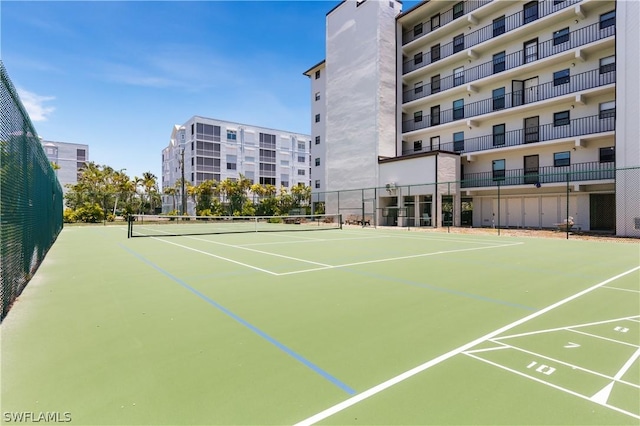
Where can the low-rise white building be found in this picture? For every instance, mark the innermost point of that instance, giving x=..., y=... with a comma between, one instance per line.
x=70, y=159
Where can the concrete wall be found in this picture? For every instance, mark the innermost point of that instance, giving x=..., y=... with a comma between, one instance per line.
x=627, y=122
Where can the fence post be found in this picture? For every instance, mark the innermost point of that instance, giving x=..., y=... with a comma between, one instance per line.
x=498, y=207
x=567, y=215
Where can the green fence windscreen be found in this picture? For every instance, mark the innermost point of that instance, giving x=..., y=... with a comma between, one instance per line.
x=30, y=197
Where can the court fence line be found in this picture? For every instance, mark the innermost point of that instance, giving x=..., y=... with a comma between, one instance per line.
x=30, y=197
x=595, y=198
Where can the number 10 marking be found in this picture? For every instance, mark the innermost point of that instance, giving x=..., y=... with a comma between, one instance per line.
x=544, y=369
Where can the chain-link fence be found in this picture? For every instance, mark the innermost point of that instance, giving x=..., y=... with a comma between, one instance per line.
x=30, y=197
x=597, y=200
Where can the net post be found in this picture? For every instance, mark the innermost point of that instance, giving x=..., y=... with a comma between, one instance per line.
x=567, y=215
x=340, y=220
x=129, y=226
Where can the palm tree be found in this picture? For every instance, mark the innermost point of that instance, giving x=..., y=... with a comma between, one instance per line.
x=149, y=183
x=172, y=191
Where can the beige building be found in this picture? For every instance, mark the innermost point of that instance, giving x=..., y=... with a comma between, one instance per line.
x=507, y=100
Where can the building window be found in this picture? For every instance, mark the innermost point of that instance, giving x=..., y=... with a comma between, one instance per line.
x=561, y=36
x=417, y=58
x=301, y=172
x=317, y=161
x=607, y=64
x=607, y=19
x=458, y=10
x=231, y=166
x=231, y=135
x=531, y=51
x=458, y=109
x=300, y=158
x=458, y=43
x=607, y=155
x=81, y=155
x=317, y=183
x=458, y=141
x=561, y=118
x=561, y=159
x=267, y=141
x=435, y=84
x=417, y=88
x=435, y=115
x=498, y=62
x=607, y=109
x=417, y=146
x=561, y=77
x=498, y=134
x=434, y=143
x=435, y=22
x=317, y=140
x=498, y=98
x=458, y=76
x=417, y=30
x=317, y=96
x=498, y=169
x=301, y=146
x=417, y=116
x=317, y=74
x=317, y=118
x=498, y=26
x=435, y=53
x=530, y=12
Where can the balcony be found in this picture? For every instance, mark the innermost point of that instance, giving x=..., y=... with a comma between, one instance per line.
x=574, y=39
x=511, y=22
x=445, y=18
x=578, y=172
x=572, y=84
x=578, y=127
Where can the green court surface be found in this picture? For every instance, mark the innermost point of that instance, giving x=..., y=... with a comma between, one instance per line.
x=351, y=326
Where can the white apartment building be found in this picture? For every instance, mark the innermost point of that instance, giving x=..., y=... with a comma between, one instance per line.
x=217, y=150
x=500, y=100
x=70, y=158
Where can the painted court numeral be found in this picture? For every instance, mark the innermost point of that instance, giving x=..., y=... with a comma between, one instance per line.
x=621, y=329
x=544, y=369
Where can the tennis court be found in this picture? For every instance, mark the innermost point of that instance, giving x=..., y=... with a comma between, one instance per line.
x=335, y=326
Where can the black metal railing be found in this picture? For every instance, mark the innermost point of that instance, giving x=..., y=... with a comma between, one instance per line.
x=593, y=170
x=483, y=34
x=445, y=17
x=572, y=84
x=577, y=38
x=577, y=127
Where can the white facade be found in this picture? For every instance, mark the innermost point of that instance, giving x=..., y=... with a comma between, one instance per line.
x=523, y=94
x=218, y=150
x=70, y=158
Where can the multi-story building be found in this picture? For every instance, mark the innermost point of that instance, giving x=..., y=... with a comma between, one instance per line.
x=502, y=100
x=217, y=150
x=70, y=159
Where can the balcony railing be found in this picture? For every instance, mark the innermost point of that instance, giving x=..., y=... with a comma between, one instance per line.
x=593, y=170
x=446, y=17
x=575, y=83
x=574, y=39
x=546, y=132
x=488, y=32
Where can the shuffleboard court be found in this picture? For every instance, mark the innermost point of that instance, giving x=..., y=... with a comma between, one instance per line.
x=351, y=326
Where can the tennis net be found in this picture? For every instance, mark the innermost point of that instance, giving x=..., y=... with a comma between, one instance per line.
x=168, y=226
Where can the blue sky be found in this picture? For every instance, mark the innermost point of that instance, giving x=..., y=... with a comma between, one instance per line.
x=118, y=75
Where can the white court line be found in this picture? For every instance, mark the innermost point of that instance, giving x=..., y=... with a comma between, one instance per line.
x=495, y=348
x=310, y=240
x=216, y=256
x=621, y=289
x=603, y=338
x=435, y=361
x=549, y=330
x=389, y=259
x=261, y=252
x=573, y=366
x=612, y=407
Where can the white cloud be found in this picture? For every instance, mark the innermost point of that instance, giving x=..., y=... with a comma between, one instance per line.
x=34, y=104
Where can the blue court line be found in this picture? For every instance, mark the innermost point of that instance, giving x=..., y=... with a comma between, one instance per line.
x=441, y=289
x=245, y=323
